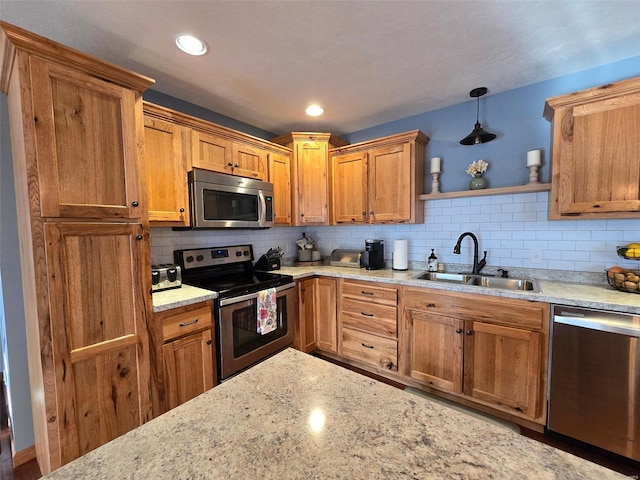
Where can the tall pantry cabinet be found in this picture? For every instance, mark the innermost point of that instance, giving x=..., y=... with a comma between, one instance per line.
x=77, y=143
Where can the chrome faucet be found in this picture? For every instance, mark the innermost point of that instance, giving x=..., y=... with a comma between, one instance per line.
x=477, y=265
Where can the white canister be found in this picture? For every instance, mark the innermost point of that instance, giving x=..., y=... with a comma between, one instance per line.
x=400, y=255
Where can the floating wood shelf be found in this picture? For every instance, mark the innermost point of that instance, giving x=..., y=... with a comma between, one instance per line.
x=529, y=188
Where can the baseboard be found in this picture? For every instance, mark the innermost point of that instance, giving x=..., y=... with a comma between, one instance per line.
x=24, y=456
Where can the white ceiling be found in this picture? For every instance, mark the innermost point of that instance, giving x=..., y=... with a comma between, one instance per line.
x=366, y=62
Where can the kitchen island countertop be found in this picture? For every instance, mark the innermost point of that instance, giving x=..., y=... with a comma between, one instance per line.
x=295, y=416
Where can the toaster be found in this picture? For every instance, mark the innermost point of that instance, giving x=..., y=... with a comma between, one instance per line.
x=165, y=277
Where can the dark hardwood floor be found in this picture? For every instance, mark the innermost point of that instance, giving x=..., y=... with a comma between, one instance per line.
x=30, y=470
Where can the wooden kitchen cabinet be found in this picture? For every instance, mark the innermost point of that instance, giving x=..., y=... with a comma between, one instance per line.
x=279, y=167
x=369, y=324
x=211, y=152
x=317, y=319
x=492, y=351
x=188, y=353
x=219, y=153
x=85, y=139
x=379, y=181
x=76, y=131
x=166, y=154
x=595, y=152
x=310, y=175
x=249, y=161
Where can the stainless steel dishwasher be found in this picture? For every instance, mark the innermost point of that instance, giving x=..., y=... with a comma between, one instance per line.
x=594, y=391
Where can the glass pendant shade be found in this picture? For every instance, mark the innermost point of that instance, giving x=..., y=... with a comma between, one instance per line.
x=478, y=135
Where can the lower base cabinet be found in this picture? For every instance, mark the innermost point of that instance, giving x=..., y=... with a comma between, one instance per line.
x=489, y=350
x=317, y=319
x=369, y=324
x=188, y=353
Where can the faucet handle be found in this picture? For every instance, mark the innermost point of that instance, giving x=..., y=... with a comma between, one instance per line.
x=504, y=273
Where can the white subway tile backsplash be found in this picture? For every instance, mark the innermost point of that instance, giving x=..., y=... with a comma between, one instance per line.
x=509, y=227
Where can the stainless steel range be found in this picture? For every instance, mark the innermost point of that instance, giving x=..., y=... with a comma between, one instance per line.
x=242, y=292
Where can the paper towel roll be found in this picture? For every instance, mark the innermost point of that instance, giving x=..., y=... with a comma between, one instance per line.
x=400, y=255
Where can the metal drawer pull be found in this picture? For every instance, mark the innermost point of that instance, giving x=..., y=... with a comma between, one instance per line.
x=366, y=314
x=184, y=324
x=366, y=293
x=366, y=346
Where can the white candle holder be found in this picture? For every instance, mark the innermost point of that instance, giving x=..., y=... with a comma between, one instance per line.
x=435, y=184
x=533, y=174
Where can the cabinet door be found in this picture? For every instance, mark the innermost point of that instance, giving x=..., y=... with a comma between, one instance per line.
x=249, y=161
x=306, y=334
x=325, y=315
x=434, y=350
x=99, y=300
x=188, y=364
x=502, y=366
x=596, y=152
x=211, y=152
x=312, y=194
x=87, y=145
x=390, y=184
x=349, y=193
x=280, y=176
x=166, y=166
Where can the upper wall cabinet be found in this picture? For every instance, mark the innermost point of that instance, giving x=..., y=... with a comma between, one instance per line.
x=379, y=181
x=85, y=132
x=310, y=175
x=166, y=152
x=596, y=147
x=175, y=143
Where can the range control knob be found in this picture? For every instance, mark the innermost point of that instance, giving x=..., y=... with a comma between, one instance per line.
x=246, y=253
x=238, y=254
x=200, y=258
x=189, y=259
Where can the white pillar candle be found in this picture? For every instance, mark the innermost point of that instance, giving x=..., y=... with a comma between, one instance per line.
x=435, y=165
x=534, y=158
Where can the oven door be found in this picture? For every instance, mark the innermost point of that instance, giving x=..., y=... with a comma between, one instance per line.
x=240, y=345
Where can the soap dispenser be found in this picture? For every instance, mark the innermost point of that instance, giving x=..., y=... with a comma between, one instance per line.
x=432, y=262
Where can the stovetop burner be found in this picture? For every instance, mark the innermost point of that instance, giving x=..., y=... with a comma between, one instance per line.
x=226, y=270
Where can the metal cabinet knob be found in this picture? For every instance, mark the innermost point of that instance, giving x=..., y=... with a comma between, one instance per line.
x=135, y=203
x=182, y=210
x=469, y=332
x=139, y=237
x=208, y=342
x=458, y=330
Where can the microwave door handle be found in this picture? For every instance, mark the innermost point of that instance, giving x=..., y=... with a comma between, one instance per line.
x=263, y=208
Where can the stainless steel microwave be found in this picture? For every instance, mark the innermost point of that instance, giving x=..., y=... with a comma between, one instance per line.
x=227, y=201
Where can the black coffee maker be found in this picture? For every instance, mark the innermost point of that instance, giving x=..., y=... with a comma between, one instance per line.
x=373, y=255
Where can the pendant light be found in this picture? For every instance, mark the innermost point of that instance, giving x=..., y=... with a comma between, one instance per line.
x=478, y=135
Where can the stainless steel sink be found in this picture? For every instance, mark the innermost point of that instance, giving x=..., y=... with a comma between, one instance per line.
x=444, y=277
x=486, y=281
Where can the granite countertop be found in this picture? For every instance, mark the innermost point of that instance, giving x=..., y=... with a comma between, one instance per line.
x=600, y=297
x=179, y=297
x=295, y=416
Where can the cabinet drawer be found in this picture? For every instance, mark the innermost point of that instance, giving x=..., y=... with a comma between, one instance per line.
x=503, y=311
x=183, y=323
x=370, y=293
x=370, y=317
x=376, y=351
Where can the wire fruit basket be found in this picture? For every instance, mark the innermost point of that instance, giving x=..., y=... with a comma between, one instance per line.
x=624, y=280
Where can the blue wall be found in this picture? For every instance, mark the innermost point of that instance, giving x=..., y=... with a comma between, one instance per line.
x=199, y=112
x=515, y=116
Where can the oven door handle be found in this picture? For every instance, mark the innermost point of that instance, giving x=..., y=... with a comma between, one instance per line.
x=251, y=296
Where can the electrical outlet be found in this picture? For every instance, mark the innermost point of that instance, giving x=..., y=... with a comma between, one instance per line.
x=536, y=255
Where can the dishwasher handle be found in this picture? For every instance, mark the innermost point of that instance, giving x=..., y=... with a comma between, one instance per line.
x=620, y=324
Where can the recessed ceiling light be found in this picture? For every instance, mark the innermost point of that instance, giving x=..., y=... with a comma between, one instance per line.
x=191, y=45
x=314, y=110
